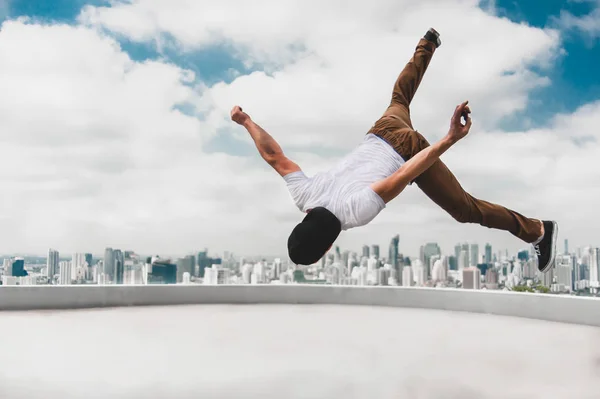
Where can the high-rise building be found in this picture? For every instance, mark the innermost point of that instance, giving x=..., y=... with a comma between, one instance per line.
x=453, y=263
x=564, y=273
x=162, y=272
x=407, y=276
x=185, y=265
x=438, y=272
x=463, y=260
x=64, y=273
x=375, y=251
x=203, y=262
x=52, y=263
x=18, y=268
x=109, y=264
x=277, y=267
x=523, y=255
x=488, y=254
x=474, y=260
x=365, y=251
x=420, y=274
x=119, y=266
x=427, y=251
x=457, y=250
x=465, y=247
x=78, y=265
x=471, y=278
x=491, y=279
x=393, y=252
x=594, y=266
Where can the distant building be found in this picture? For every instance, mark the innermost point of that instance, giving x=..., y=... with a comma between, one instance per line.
x=163, y=272
x=52, y=263
x=474, y=255
x=427, y=251
x=491, y=279
x=375, y=251
x=488, y=254
x=109, y=264
x=366, y=251
x=185, y=265
x=407, y=276
x=18, y=268
x=119, y=266
x=471, y=278
x=64, y=273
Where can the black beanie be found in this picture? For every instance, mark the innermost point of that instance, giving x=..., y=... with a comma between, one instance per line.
x=311, y=239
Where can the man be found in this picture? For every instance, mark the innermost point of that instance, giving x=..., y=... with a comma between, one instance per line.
x=391, y=156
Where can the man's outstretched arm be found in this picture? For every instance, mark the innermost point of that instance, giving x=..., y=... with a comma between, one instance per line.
x=393, y=185
x=268, y=148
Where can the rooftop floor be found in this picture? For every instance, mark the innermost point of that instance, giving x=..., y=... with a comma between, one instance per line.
x=292, y=351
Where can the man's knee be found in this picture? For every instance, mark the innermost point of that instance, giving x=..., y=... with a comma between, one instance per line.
x=461, y=215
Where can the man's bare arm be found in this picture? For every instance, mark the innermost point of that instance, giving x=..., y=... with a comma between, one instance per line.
x=266, y=145
x=390, y=187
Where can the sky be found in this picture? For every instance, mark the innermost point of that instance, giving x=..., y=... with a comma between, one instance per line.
x=115, y=129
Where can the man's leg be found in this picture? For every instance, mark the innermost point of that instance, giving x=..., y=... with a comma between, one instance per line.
x=442, y=187
x=397, y=115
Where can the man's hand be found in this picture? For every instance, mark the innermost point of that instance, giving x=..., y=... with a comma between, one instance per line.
x=457, y=129
x=239, y=116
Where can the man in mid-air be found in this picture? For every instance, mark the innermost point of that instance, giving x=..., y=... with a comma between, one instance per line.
x=391, y=156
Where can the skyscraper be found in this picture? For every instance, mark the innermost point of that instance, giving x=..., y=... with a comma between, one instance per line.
x=566, y=246
x=457, y=249
x=594, y=266
x=375, y=251
x=109, y=264
x=474, y=255
x=463, y=260
x=119, y=266
x=488, y=254
x=393, y=251
x=365, y=251
x=185, y=265
x=394, y=257
x=564, y=272
x=453, y=262
x=64, y=273
x=78, y=265
x=52, y=263
x=427, y=251
x=18, y=268
x=203, y=262
x=407, y=276
x=471, y=278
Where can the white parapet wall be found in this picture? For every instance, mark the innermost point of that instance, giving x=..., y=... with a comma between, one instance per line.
x=559, y=308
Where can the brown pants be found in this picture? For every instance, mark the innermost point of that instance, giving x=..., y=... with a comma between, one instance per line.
x=437, y=182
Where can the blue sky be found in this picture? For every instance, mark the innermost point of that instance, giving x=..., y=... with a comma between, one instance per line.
x=574, y=81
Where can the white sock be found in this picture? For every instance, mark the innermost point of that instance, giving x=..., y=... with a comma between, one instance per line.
x=539, y=239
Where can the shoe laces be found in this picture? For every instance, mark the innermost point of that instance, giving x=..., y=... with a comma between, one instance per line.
x=537, y=250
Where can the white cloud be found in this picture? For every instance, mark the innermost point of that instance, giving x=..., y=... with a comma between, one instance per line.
x=97, y=155
x=588, y=24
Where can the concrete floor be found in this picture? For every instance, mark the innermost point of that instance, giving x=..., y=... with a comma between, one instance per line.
x=283, y=351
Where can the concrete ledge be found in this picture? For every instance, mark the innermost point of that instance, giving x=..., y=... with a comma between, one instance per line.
x=566, y=309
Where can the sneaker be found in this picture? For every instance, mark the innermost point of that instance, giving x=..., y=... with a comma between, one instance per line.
x=546, y=248
x=433, y=36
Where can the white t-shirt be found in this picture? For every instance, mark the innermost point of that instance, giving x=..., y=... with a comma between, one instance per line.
x=344, y=190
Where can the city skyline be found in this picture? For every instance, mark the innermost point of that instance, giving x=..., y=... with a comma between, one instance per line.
x=151, y=160
x=574, y=273
x=384, y=249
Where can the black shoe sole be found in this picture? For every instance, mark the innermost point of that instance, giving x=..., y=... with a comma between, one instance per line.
x=552, y=260
x=434, y=37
